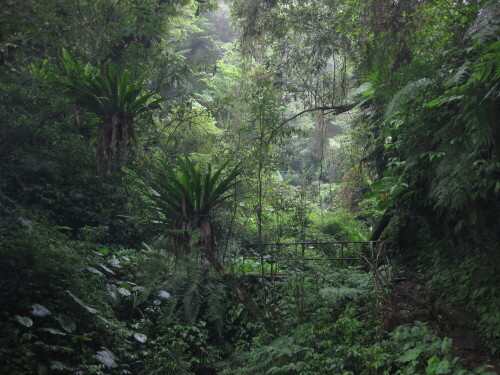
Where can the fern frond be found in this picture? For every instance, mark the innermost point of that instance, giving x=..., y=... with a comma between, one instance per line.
x=192, y=294
x=216, y=298
x=406, y=95
x=486, y=25
x=460, y=76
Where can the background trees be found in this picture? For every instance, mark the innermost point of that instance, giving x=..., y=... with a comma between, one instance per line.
x=426, y=139
x=347, y=120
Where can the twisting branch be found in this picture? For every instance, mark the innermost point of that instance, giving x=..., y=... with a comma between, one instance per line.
x=335, y=110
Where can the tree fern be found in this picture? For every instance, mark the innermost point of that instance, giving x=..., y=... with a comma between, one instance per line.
x=184, y=199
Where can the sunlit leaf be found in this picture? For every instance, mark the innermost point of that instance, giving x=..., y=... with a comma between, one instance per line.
x=54, y=331
x=106, y=357
x=140, y=337
x=78, y=301
x=66, y=323
x=25, y=321
x=124, y=292
x=410, y=355
x=162, y=294
x=39, y=310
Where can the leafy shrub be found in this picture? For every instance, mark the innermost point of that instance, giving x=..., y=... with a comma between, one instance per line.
x=339, y=225
x=49, y=325
x=68, y=306
x=181, y=349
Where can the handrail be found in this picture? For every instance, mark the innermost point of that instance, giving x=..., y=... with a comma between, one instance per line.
x=275, y=259
x=309, y=243
x=298, y=259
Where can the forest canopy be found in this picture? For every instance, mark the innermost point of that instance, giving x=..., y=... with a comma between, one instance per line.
x=249, y=187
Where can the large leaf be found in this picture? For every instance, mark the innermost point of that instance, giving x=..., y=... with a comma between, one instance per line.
x=410, y=355
x=106, y=357
x=39, y=310
x=24, y=320
x=79, y=301
x=54, y=331
x=66, y=323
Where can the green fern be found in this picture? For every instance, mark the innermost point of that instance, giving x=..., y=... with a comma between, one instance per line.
x=215, y=297
x=193, y=293
x=199, y=291
x=486, y=24
x=405, y=96
x=460, y=76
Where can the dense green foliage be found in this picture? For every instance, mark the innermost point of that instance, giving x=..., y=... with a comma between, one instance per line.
x=186, y=192
x=166, y=172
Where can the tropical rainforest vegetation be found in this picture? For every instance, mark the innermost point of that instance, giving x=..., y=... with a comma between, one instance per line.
x=249, y=187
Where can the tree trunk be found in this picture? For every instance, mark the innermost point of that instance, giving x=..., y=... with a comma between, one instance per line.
x=236, y=289
x=382, y=224
x=207, y=244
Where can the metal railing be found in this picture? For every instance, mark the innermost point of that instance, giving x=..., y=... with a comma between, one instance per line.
x=275, y=257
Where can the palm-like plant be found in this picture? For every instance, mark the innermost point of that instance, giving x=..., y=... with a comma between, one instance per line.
x=185, y=198
x=114, y=98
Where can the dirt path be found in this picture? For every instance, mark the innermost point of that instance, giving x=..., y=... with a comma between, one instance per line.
x=410, y=301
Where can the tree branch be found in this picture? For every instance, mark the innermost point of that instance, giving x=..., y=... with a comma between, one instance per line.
x=335, y=110
x=382, y=224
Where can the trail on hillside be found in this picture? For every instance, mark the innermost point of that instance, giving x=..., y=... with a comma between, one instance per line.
x=410, y=301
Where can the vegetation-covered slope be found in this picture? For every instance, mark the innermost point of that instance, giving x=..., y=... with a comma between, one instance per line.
x=124, y=251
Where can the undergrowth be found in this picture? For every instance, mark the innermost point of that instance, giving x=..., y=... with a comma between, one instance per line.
x=80, y=307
